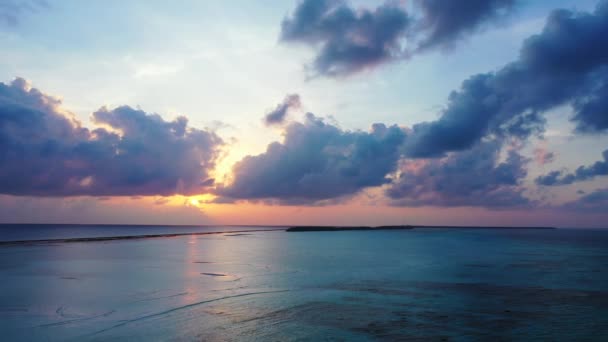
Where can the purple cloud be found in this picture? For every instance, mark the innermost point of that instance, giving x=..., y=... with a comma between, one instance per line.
x=349, y=40
x=474, y=177
x=316, y=161
x=595, y=202
x=567, y=63
x=458, y=154
x=445, y=23
x=45, y=152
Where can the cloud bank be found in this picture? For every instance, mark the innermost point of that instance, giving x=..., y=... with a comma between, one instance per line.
x=468, y=157
x=595, y=202
x=465, y=158
x=46, y=152
x=475, y=177
x=567, y=63
x=317, y=161
x=349, y=40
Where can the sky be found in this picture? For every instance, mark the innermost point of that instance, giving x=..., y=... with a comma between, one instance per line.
x=332, y=112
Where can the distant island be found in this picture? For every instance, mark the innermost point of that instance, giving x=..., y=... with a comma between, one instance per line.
x=342, y=228
x=339, y=228
x=238, y=232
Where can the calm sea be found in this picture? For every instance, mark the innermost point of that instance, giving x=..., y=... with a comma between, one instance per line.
x=420, y=284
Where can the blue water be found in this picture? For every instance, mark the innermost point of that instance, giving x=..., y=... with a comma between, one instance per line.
x=421, y=284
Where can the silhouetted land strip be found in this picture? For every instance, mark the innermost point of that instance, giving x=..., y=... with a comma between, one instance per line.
x=127, y=237
x=239, y=232
x=483, y=227
x=342, y=228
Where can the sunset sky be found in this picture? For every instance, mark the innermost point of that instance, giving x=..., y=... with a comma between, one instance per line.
x=490, y=112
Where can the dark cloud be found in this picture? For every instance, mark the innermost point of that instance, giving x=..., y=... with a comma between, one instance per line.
x=475, y=177
x=45, y=152
x=563, y=65
x=567, y=63
x=443, y=22
x=582, y=173
x=12, y=10
x=349, y=40
x=278, y=115
x=595, y=202
x=591, y=111
x=316, y=161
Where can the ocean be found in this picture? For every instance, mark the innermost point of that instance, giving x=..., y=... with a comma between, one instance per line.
x=437, y=284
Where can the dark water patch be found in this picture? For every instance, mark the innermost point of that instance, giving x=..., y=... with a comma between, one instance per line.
x=479, y=265
x=364, y=321
x=13, y=309
x=523, y=294
x=183, y=307
x=419, y=310
x=379, y=288
x=222, y=276
x=547, y=264
x=214, y=274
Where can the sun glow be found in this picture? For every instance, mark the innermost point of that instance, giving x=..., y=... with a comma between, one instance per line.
x=193, y=201
x=198, y=201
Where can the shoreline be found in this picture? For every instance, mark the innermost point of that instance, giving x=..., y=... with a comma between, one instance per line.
x=403, y=227
x=343, y=228
x=124, y=237
x=276, y=229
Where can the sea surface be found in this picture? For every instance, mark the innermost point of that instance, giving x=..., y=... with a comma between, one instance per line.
x=428, y=284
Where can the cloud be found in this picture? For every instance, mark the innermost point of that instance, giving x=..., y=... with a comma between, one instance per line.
x=567, y=63
x=45, y=152
x=455, y=160
x=316, y=161
x=474, y=177
x=444, y=23
x=595, y=202
x=582, y=173
x=12, y=10
x=591, y=111
x=562, y=65
x=349, y=40
x=278, y=115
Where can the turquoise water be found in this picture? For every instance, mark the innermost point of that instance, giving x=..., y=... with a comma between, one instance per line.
x=421, y=284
